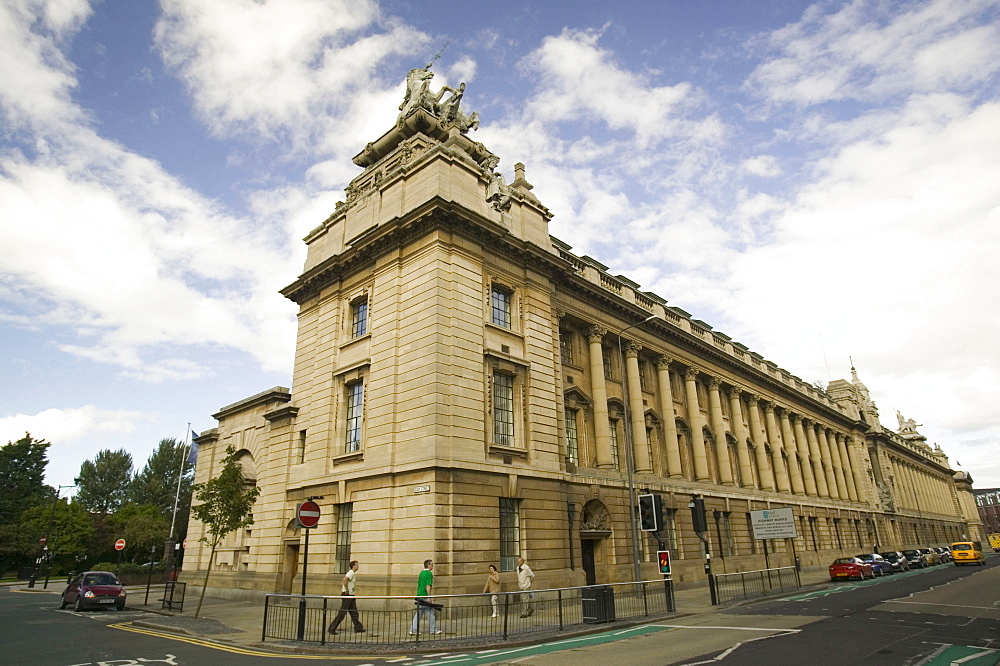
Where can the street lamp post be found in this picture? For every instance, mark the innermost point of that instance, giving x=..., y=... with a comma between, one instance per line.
x=629, y=455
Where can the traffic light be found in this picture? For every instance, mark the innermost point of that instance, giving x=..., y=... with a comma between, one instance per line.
x=648, y=518
x=697, y=505
x=663, y=557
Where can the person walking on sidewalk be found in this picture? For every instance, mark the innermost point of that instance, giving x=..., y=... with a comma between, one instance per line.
x=348, y=603
x=524, y=578
x=425, y=585
x=492, y=587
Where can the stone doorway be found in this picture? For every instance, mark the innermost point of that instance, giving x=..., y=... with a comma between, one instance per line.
x=595, y=528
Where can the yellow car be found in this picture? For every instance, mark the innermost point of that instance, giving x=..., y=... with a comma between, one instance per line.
x=967, y=552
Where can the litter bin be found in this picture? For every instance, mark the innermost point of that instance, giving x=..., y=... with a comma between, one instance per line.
x=598, y=604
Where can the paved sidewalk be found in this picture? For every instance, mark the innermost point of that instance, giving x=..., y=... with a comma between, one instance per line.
x=240, y=622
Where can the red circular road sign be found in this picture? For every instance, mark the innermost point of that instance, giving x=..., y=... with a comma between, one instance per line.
x=307, y=514
x=120, y=544
x=184, y=544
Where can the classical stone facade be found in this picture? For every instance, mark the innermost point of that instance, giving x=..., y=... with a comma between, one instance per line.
x=467, y=389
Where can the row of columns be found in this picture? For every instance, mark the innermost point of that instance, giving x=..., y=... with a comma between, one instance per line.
x=798, y=447
x=926, y=491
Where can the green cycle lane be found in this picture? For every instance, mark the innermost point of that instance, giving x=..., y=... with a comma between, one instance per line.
x=961, y=654
x=490, y=656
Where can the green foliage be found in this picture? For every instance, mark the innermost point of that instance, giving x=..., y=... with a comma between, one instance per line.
x=22, y=468
x=143, y=527
x=103, y=483
x=226, y=505
x=156, y=484
x=70, y=534
x=226, y=502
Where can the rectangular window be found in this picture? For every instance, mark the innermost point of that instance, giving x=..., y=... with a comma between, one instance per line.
x=359, y=318
x=643, y=371
x=503, y=409
x=606, y=356
x=500, y=302
x=572, y=442
x=724, y=533
x=668, y=533
x=566, y=347
x=836, y=529
x=753, y=542
x=345, y=514
x=613, y=427
x=302, y=447
x=812, y=532
x=355, y=410
x=510, y=534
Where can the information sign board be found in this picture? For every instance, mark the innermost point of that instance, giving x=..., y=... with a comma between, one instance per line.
x=773, y=524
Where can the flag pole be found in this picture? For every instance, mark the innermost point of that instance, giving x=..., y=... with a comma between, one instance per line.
x=177, y=495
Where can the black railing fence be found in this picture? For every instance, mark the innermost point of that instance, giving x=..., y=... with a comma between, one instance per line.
x=394, y=619
x=753, y=584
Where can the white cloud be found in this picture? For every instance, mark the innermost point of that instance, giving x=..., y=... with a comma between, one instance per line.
x=765, y=166
x=870, y=50
x=282, y=70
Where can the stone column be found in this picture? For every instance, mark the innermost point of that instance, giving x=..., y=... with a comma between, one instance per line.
x=640, y=443
x=817, y=459
x=780, y=473
x=694, y=417
x=824, y=449
x=838, y=465
x=740, y=432
x=602, y=430
x=672, y=452
x=857, y=452
x=852, y=489
x=760, y=439
x=722, y=458
x=792, y=451
x=807, y=469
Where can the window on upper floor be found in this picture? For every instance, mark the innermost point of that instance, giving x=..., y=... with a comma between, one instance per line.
x=503, y=409
x=500, y=306
x=572, y=439
x=359, y=317
x=613, y=428
x=566, y=347
x=354, y=393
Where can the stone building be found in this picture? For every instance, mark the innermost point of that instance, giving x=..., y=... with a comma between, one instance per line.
x=467, y=389
x=988, y=505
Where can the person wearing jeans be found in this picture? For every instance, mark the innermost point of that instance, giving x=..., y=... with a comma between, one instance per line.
x=425, y=584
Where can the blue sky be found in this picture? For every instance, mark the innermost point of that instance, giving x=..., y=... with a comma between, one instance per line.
x=818, y=181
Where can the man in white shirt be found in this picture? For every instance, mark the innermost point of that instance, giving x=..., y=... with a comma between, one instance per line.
x=524, y=578
x=348, y=603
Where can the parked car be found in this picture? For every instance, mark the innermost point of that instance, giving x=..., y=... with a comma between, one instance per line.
x=932, y=556
x=878, y=564
x=94, y=589
x=850, y=567
x=944, y=553
x=916, y=559
x=897, y=560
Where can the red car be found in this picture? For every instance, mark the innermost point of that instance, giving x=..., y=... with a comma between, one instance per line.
x=94, y=589
x=850, y=567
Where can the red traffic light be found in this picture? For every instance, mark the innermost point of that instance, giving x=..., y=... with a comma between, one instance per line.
x=663, y=559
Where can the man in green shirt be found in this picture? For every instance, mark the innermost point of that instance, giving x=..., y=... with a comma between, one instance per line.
x=425, y=585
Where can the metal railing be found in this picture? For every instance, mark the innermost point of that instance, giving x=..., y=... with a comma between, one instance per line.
x=754, y=584
x=395, y=620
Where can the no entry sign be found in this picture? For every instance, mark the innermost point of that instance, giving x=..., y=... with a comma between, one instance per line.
x=120, y=544
x=307, y=514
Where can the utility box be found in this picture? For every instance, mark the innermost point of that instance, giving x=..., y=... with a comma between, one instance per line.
x=598, y=604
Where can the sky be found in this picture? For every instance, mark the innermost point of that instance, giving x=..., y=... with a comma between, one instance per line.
x=819, y=181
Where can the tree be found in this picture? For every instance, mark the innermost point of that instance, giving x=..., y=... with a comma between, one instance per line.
x=22, y=469
x=104, y=481
x=142, y=526
x=156, y=484
x=71, y=535
x=225, y=506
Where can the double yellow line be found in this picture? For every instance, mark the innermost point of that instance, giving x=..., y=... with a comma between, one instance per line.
x=127, y=626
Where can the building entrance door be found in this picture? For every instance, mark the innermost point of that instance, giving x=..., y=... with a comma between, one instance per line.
x=289, y=567
x=587, y=555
